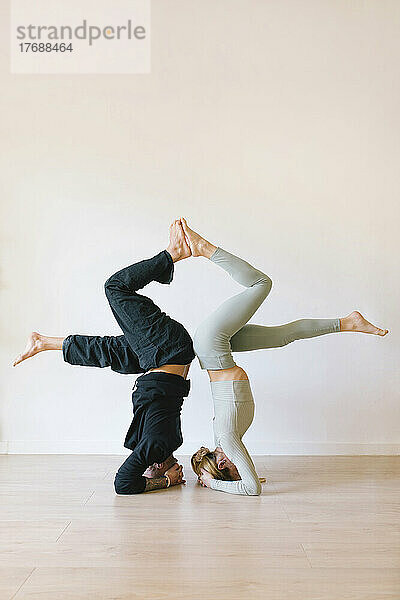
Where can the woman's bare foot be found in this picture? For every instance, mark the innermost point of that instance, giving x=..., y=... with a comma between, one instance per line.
x=34, y=345
x=38, y=343
x=357, y=323
x=178, y=246
x=198, y=245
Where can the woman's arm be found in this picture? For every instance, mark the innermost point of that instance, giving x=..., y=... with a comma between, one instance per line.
x=236, y=451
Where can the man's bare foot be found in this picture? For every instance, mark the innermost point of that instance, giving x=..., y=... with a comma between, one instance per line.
x=34, y=345
x=178, y=246
x=38, y=343
x=357, y=323
x=198, y=245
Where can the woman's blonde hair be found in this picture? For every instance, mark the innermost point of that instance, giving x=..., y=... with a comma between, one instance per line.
x=205, y=459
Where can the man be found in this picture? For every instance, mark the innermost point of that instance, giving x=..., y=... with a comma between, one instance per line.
x=152, y=343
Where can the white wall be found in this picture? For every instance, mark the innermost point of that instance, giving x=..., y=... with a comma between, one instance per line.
x=274, y=127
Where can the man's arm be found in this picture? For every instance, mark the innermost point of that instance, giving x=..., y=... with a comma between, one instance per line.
x=173, y=476
x=130, y=480
x=156, y=483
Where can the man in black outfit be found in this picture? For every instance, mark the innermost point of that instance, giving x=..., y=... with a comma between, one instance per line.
x=152, y=343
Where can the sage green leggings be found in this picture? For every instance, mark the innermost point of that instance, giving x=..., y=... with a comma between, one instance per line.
x=225, y=330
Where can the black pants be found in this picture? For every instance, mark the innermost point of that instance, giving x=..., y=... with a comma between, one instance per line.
x=151, y=338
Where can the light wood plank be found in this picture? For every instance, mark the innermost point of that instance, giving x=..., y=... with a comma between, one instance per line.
x=168, y=554
x=243, y=583
x=341, y=511
x=11, y=579
x=22, y=532
x=353, y=556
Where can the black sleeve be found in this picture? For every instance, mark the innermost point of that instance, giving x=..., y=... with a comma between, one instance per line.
x=129, y=478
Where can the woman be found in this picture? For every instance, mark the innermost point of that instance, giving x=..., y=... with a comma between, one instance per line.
x=229, y=467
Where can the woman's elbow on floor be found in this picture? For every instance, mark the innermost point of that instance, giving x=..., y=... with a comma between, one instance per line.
x=254, y=489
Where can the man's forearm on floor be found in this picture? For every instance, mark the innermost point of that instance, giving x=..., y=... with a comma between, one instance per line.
x=155, y=483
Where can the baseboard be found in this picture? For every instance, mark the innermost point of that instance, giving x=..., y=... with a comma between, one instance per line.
x=255, y=448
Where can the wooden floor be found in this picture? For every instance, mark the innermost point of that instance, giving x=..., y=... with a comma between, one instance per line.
x=324, y=528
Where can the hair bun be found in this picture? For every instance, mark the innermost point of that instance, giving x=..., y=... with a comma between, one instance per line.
x=200, y=454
